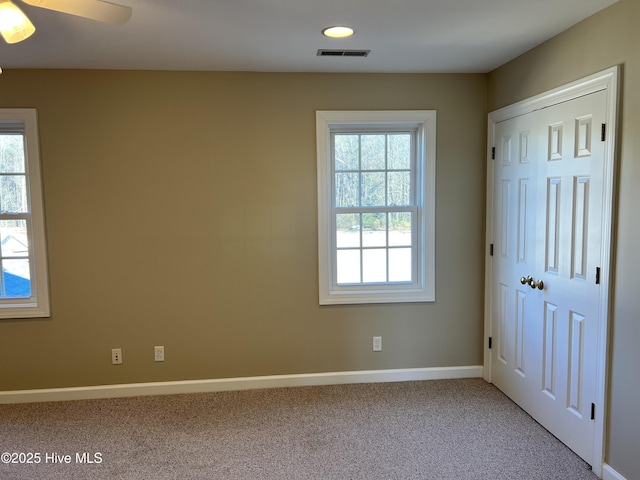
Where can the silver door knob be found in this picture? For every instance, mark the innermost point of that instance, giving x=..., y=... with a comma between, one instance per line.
x=529, y=280
x=535, y=284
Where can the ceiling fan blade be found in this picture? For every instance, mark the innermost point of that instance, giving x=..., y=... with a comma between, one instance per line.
x=94, y=9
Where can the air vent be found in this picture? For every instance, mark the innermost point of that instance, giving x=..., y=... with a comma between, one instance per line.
x=343, y=53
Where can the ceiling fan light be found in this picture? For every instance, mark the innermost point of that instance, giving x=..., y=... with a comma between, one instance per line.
x=14, y=24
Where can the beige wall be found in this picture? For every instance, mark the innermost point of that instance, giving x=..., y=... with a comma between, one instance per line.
x=609, y=38
x=181, y=211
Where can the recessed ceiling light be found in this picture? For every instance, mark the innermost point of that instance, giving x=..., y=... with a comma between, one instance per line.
x=338, y=31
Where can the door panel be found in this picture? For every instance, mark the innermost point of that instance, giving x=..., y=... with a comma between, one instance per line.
x=571, y=214
x=515, y=255
x=547, y=208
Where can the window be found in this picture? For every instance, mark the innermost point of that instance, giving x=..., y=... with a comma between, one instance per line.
x=376, y=206
x=23, y=283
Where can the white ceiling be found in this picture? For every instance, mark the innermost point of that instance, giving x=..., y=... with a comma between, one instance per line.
x=284, y=35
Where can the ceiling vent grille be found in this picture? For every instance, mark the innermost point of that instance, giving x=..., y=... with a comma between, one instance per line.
x=343, y=53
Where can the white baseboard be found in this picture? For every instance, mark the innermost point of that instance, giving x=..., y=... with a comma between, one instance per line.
x=241, y=383
x=609, y=473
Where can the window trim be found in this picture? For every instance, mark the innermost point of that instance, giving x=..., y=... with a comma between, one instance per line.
x=37, y=305
x=425, y=123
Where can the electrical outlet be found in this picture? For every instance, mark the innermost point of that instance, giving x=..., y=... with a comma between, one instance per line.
x=116, y=356
x=158, y=353
x=377, y=344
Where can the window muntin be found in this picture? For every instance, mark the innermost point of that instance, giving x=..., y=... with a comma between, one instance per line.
x=376, y=206
x=15, y=280
x=23, y=278
x=373, y=211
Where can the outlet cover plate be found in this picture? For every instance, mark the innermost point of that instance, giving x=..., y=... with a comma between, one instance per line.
x=116, y=356
x=158, y=353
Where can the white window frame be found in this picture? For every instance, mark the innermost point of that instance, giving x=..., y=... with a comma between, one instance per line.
x=423, y=289
x=37, y=304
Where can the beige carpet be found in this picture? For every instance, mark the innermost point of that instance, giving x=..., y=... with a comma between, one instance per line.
x=444, y=429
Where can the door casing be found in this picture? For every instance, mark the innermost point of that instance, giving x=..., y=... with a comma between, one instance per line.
x=607, y=80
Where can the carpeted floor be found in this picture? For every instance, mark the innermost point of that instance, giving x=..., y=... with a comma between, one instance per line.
x=443, y=429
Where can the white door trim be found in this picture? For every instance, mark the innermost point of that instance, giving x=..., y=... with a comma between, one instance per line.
x=606, y=80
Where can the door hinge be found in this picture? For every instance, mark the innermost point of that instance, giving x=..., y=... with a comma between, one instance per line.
x=593, y=411
x=491, y=250
x=490, y=341
x=493, y=153
x=603, y=132
x=597, y=275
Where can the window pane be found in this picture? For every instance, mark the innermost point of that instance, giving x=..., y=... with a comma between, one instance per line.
x=399, y=151
x=374, y=265
x=400, y=229
x=373, y=150
x=400, y=265
x=347, y=152
x=13, y=194
x=348, y=230
x=348, y=268
x=13, y=238
x=11, y=153
x=373, y=189
x=399, y=188
x=374, y=229
x=16, y=278
x=347, y=191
